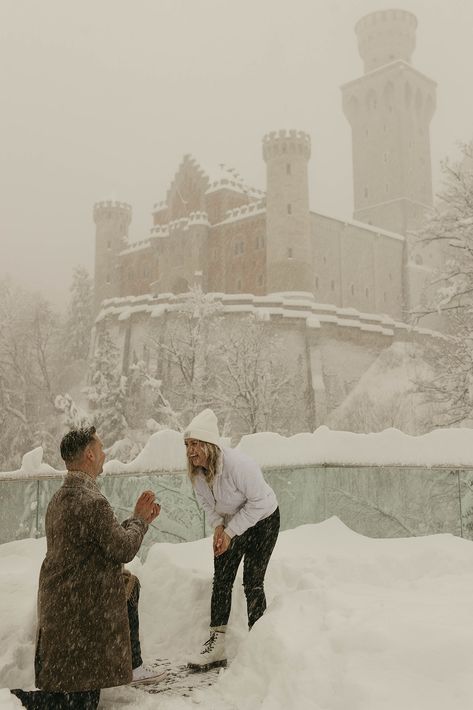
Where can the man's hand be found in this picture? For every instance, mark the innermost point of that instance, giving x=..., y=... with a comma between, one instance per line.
x=222, y=541
x=146, y=508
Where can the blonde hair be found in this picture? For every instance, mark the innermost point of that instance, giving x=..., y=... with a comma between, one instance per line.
x=213, y=453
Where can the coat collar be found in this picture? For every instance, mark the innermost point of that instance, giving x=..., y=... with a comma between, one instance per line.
x=80, y=478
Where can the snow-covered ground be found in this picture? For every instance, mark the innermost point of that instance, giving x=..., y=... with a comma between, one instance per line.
x=353, y=623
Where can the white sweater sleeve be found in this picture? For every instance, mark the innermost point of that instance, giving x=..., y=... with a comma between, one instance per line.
x=260, y=498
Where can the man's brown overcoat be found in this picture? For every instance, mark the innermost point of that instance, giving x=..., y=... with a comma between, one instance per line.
x=83, y=640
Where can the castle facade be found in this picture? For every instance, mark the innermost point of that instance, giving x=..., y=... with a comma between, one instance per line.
x=258, y=247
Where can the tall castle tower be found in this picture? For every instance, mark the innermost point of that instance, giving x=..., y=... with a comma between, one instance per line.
x=112, y=221
x=288, y=247
x=389, y=110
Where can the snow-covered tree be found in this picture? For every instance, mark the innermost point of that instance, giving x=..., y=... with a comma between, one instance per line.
x=107, y=392
x=79, y=315
x=185, y=345
x=234, y=364
x=255, y=383
x=74, y=416
x=30, y=364
x=450, y=225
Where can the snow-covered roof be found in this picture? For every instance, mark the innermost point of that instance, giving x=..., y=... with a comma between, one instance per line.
x=136, y=246
x=360, y=225
x=243, y=212
x=400, y=63
x=226, y=177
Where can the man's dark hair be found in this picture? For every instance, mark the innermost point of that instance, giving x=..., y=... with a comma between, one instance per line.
x=75, y=441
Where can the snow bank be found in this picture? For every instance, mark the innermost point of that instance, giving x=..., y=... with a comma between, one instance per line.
x=164, y=451
x=352, y=622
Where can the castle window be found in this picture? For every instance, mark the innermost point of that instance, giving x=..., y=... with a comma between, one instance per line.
x=288, y=168
x=367, y=292
x=390, y=276
x=352, y=289
x=239, y=285
x=289, y=253
x=384, y=296
x=109, y=244
x=289, y=209
x=332, y=285
x=317, y=282
x=385, y=156
x=386, y=187
x=366, y=192
x=108, y=278
x=260, y=280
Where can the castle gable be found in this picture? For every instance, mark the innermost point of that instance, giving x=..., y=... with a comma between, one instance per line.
x=187, y=190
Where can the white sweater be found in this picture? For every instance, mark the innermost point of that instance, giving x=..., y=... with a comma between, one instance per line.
x=240, y=497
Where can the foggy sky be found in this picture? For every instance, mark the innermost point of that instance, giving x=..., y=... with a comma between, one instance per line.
x=101, y=99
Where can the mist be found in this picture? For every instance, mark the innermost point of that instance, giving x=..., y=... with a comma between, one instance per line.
x=102, y=100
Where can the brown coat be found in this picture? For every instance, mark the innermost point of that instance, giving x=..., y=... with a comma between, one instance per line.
x=83, y=640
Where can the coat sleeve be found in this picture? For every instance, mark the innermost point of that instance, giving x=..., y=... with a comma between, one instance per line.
x=117, y=542
x=259, y=496
x=213, y=518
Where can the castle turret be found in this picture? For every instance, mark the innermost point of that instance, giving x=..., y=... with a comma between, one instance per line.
x=112, y=221
x=385, y=36
x=389, y=110
x=288, y=248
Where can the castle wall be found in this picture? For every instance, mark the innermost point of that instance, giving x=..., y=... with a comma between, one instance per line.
x=236, y=257
x=355, y=267
x=329, y=349
x=217, y=202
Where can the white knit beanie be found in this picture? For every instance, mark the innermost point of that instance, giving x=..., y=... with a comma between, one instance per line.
x=204, y=427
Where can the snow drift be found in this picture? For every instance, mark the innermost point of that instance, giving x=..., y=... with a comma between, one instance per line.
x=352, y=622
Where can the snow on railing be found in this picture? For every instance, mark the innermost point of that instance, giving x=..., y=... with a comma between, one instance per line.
x=165, y=453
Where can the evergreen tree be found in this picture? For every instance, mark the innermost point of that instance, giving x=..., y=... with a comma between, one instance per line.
x=79, y=318
x=107, y=393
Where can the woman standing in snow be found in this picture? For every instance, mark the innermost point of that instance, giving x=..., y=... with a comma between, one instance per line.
x=244, y=513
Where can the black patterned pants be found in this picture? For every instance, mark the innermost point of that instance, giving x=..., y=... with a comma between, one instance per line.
x=255, y=546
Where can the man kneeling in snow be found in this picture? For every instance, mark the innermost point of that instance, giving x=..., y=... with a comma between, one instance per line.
x=88, y=635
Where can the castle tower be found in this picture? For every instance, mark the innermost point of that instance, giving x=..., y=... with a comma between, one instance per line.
x=389, y=110
x=288, y=248
x=112, y=221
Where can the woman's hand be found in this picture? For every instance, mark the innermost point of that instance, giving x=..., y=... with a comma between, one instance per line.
x=222, y=543
x=218, y=532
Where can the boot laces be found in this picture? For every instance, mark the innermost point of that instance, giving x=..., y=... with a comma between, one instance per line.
x=209, y=645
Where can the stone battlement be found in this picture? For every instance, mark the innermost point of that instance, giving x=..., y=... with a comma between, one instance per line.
x=292, y=142
x=119, y=209
x=385, y=36
x=254, y=208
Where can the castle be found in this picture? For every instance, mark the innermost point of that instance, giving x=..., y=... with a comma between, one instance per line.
x=351, y=283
